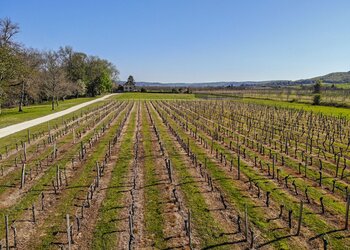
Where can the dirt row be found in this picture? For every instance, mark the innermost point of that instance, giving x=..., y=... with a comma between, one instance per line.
x=28, y=231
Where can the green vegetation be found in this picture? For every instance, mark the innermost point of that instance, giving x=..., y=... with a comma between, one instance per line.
x=33, y=194
x=11, y=140
x=206, y=226
x=327, y=110
x=154, y=221
x=83, y=177
x=104, y=234
x=154, y=96
x=317, y=99
x=313, y=220
x=30, y=76
x=12, y=116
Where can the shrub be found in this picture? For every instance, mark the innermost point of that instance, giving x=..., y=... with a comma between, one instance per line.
x=317, y=99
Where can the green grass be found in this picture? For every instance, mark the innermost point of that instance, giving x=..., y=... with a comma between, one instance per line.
x=15, y=175
x=333, y=204
x=12, y=116
x=313, y=222
x=233, y=190
x=12, y=139
x=153, y=96
x=205, y=225
x=83, y=178
x=105, y=234
x=339, y=85
x=327, y=110
x=44, y=182
x=154, y=220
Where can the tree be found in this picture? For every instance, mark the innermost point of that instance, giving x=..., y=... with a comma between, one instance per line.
x=131, y=79
x=7, y=31
x=32, y=62
x=316, y=99
x=10, y=64
x=317, y=87
x=317, y=92
x=27, y=75
x=53, y=76
x=75, y=64
x=100, y=76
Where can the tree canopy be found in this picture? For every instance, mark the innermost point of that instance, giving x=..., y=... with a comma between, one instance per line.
x=31, y=76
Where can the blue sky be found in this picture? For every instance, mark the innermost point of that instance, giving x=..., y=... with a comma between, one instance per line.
x=194, y=40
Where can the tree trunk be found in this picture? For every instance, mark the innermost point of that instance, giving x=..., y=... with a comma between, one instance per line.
x=53, y=103
x=21, y=99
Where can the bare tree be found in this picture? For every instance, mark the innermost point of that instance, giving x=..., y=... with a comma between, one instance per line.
x=32, y=61
x=54, y=78
x=7, y=30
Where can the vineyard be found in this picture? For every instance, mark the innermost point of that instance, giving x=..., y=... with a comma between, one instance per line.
x=177, y=174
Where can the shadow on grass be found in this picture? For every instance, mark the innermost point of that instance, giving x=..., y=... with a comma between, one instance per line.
x=227, y=243
x=275, y=240
x=326, y=233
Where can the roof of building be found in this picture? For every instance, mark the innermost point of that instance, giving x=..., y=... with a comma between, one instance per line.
x=129, y=84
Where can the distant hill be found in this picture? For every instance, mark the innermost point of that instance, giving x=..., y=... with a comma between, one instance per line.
x=336, y=77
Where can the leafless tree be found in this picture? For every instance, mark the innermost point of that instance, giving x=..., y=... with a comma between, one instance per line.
x=7, y=30
x=54, y=79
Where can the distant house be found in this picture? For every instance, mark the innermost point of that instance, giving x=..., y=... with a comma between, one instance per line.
x=130, y=86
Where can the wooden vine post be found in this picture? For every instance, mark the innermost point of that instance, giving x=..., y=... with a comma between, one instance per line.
x=97, y=174
x=25, y=151
x=189, y=229
x=347, y=213
x=28, y=136
x=23, y=175
x=239, y=167
x=300, y=218
x=7, y=235
x=246, y=223
x=68, y=232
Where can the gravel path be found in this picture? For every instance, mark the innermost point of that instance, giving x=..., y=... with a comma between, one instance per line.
x=24, y=125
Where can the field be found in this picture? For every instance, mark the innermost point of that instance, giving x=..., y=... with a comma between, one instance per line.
x=12, y=116
x=171, y=171
x=337, y=97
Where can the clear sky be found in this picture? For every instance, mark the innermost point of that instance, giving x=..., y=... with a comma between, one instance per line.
x=194, y=40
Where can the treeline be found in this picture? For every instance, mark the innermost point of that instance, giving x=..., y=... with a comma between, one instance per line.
x=31, y=76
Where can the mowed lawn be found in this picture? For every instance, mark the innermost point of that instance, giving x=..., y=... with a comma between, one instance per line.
x=12, y=116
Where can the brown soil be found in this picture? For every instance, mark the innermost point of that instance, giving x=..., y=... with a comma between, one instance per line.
x=12, y=195
x=271, y=212
x=28, y=232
